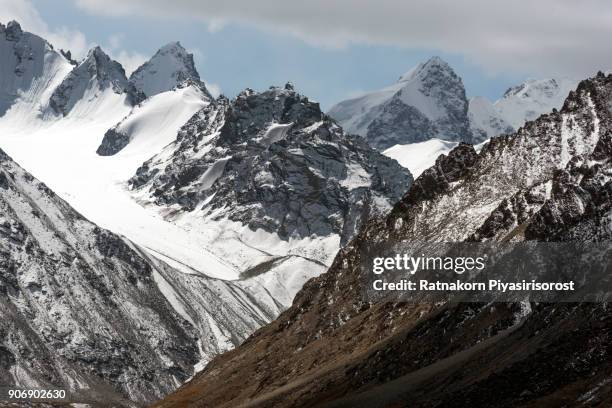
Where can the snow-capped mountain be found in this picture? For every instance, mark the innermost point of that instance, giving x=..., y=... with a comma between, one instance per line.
x=426, y=102
x=85, y=310
x=532, y=98
x=549, y=181
x=94, y=82
x=274, y=162
x=171, y=66
x=518, y=105
x=29, y=71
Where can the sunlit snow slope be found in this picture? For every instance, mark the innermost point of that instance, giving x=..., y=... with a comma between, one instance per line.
x=417, y=157
x=65, y=158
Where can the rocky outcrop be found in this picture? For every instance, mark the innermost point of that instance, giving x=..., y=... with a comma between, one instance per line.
x=112, y=142
x=549, y=181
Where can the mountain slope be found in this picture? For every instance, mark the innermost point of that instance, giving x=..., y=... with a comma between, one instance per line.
x=549, y=181
x=199, y=315
x=427, y=102
x=153, y=124
x=219, y=276
x=29, y=70
x=171, y=66
x=90, y=312
x=63, y=280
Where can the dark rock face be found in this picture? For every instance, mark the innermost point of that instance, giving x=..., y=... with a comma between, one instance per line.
x=549, y=181
x=112, y=143
x=398, y=122
x=427, y=102
x=273, y=160
x=96, y=70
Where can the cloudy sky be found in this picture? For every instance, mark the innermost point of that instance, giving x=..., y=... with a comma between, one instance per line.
x=334, y=49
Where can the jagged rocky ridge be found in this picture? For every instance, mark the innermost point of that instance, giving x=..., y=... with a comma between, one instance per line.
x=273, y=160
x=552, y=181
x=427, y=102
x=97, y=72
x=87, y=311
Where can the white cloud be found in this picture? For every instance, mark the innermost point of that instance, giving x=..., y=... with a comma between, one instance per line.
x=129, y=60
x=214, y=89
x=550, y=37
x=26, y=14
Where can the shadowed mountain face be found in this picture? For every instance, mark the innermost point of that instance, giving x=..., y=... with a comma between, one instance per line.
x=427, y=102
x=551, y=181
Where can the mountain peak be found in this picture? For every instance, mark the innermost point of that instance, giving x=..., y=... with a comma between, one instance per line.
x=97, y=70
x=170, y=67
x=171, y=46
x=547, y=87
x=104, y=68
x=280, y=143
x=532, y=98
x=13, y=25
x=426, y=102
x=13, y=30
x=96, y=50
x=433, y=64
